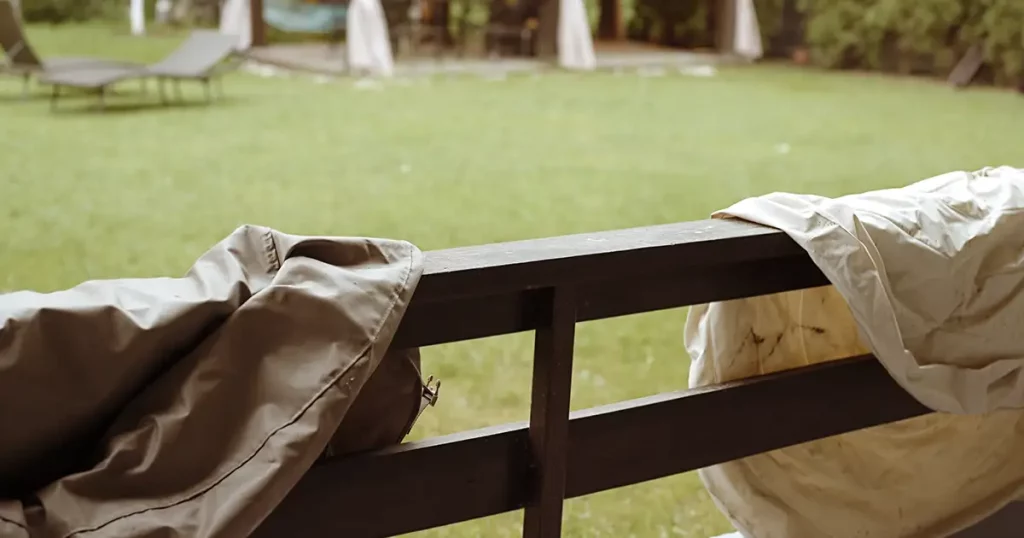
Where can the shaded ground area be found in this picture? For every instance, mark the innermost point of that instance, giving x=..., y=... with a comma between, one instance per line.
x=451, y=161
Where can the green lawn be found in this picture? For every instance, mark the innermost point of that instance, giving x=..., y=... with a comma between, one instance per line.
x=460, y=161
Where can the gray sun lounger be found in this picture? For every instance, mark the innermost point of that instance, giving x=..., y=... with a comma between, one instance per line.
x=22, y=61
x=205, y=56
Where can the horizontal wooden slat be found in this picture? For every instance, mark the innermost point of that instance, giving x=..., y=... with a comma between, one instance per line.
x=670, y=433
x=470, y=475
x=435, y=322
x=677, y=265
x=408, y=487
x=701, y=285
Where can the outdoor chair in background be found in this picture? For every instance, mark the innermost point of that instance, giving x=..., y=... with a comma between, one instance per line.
x=205, y=56
x=503, y=27
x=511, y=27
x=416, y=23
x=22, y=60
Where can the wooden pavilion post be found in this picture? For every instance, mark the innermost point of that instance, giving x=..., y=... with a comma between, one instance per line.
x=259, y=29
x=549, y=414
x=547, y=31
x=725, y=25
x=609, y=24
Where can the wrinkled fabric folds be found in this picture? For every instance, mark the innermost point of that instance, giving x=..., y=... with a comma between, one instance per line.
x=928, y=279
x=189, y=406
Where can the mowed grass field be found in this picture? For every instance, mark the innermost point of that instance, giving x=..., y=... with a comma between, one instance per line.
x=451, y=161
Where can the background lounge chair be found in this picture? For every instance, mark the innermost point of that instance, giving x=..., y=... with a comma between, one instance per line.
x=206, y=55
x=24, y=62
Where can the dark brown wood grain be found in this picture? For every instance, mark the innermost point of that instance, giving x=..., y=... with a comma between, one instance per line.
x=490, y=290
x=616, y=254
x=549, y=415
x=1006, y=523
x=473, y=474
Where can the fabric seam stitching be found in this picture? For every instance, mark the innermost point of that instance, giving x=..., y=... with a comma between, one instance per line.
x=15, y=523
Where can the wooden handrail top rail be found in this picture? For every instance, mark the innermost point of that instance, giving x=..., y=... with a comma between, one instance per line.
x=535, y=263
x=488, y=290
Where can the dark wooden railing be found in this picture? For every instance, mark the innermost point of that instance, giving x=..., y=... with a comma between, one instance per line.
x=548, y=286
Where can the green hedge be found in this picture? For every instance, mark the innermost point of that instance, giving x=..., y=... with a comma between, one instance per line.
x=60, y=11
x=916, y=36
x=69, y=11
x=674, y=23
x=910, y=36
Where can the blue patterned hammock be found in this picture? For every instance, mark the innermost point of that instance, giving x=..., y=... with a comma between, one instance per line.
x=291, y=16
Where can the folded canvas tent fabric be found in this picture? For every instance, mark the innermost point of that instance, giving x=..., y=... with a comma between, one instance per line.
x=928, y=278
x=189, y=406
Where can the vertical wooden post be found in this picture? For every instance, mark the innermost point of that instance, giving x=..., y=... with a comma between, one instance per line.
x=547, y=32
x=549, y=416
x=725, y=26
x=441, y=17
x=259, y=29
x=609, y=23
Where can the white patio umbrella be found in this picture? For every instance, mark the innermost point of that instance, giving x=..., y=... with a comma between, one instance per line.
x=137, y=16
x=747, y=41
x=368, y=47
x=236, y=20
x=575, y=44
